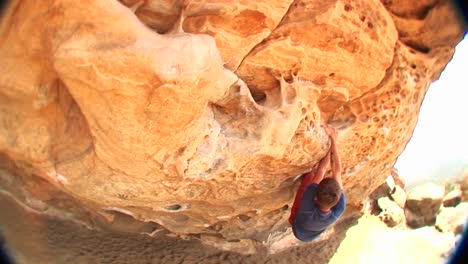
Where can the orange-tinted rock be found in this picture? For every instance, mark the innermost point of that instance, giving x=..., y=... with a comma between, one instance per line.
x=236, y=26
x=107, y=109
x=347, y=46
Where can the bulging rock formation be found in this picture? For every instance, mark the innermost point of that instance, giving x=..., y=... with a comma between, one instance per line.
x=193, y=118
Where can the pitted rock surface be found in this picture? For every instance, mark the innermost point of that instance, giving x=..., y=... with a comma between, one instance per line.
x=195, y=117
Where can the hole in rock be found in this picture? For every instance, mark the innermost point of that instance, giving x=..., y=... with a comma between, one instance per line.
x=289, y=79
x=181, y=151
x=236, y=88
x=418, y=46
x=244, y=218
x=285, y=207
x=405, y=35
x=174, y=207
x=370, y=25
x=344, y=122
x=331, y=74
x=404, y=94
x=303, y=110
x=258, y=96
x=348, y=7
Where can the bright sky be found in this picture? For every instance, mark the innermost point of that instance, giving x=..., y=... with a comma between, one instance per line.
x=439, y=146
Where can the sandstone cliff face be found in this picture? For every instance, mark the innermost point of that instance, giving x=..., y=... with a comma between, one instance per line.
x=194, y=117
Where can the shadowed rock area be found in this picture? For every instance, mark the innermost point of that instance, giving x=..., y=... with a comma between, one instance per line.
x=173, y=120
x=36, y=238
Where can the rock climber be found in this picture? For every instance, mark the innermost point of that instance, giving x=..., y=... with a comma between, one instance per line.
x=319, y=201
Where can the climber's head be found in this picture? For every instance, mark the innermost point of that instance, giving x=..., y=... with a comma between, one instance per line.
x=328, y=193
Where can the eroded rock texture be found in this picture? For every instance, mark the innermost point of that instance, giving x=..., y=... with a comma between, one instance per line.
x=194, y=117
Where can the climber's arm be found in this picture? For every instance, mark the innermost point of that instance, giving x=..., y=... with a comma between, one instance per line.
x=322, y=168
x=335, y=156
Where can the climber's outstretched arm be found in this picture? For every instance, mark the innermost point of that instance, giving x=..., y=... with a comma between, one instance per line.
x=335, y=155
x=322, y=168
